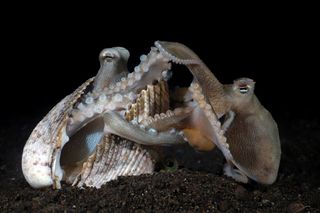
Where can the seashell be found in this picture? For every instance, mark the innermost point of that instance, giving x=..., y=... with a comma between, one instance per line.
x=151, y=101
x=41, y=154
x=115, y=156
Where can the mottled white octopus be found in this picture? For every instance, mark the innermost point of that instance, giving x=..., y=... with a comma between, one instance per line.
x=110, y=125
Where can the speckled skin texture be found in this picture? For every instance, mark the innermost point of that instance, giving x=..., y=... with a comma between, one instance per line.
x=253, y=134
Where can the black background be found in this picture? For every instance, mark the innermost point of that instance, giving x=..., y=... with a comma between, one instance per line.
x=46, y=55
x=47, y=51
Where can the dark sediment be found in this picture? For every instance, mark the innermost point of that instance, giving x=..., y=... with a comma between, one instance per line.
x=197, y=186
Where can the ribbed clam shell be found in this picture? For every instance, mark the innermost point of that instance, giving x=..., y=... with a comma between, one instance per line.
x=114, y=157
x=152, y=100
x=45, y=141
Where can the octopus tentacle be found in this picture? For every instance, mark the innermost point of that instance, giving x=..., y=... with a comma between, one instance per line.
x=85, y=112
x=211, y=86
x=216, y=133
x=153, y=66
x=229, y=119
x=170, y=119
x=236, y=174
x=115, y=124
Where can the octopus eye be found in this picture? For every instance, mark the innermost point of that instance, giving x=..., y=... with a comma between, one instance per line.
x=243, y=86
x=243, y=89
x=107, y=55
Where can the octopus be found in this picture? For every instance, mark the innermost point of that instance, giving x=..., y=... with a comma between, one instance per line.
x=251, y=143
x=113, y=124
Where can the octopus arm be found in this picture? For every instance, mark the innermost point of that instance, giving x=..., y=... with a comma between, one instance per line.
x=115, y=124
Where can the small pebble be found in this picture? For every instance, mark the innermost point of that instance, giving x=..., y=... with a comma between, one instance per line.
x=295, y=207
x=224, y=205
x=241, y=193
